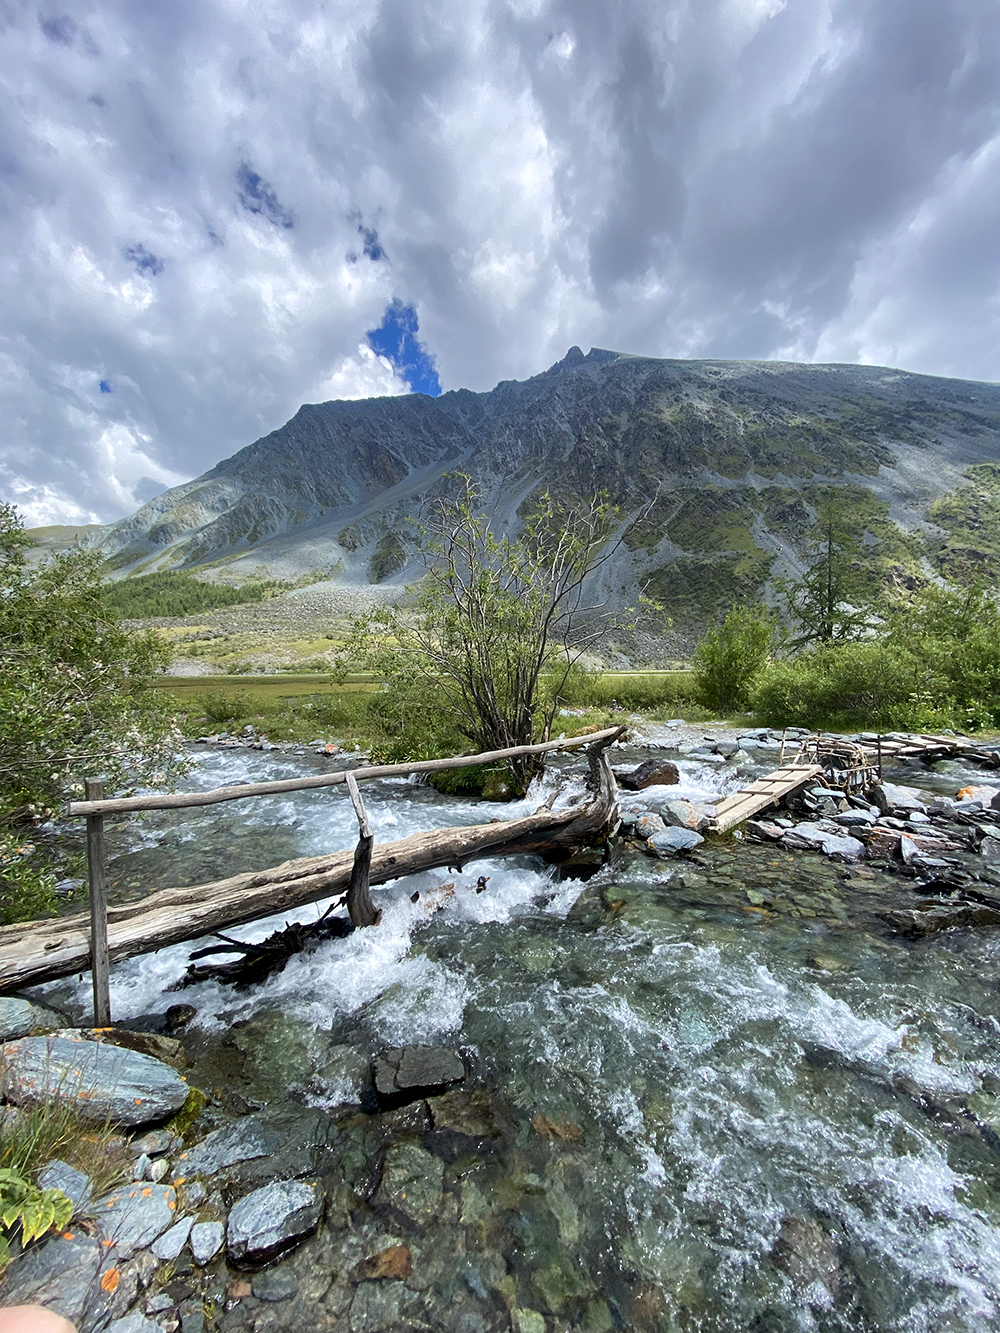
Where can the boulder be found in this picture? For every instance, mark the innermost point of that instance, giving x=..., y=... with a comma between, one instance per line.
x=269, y=1220
x=408, y=1071
x=855, y=819
x=256, y=1148
x=650, y=773
x=131, y=1219
x=763, y=828
x=101, y=1082
x=843, y=849
x=19, y=1017
x=412, y=1182
x=684, y=814
x=672, y=841
x=806, y=837
x=891, y=798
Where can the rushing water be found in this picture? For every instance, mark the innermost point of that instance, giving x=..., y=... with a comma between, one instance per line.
x=741, y=1103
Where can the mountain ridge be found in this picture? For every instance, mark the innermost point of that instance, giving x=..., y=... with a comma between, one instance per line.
x=736, y=453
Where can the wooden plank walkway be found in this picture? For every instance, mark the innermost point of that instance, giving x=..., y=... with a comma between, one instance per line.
x=762, y=793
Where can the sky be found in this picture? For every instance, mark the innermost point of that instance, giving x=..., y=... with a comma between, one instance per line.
x=212, y=211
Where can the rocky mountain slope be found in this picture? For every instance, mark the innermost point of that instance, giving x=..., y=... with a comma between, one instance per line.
x=735, y=453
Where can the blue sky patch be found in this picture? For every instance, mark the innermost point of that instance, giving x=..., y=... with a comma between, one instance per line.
x=144, y=260
x=258, y=197
x=373, y=247
x=105, y=386
x=396, y=338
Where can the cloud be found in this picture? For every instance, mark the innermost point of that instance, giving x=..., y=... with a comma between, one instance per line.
x=208, y=216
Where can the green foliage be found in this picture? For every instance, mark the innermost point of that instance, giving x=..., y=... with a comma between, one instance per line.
x=633, y=692
x=222, y=709
x=27, y=881
x=175, y=594
x=730, y=659
x=493, y=616
x=75, y=697
x=835, y=597
x=33, y=1210
x=970, y=518
x=847, y=686
x=388, y=558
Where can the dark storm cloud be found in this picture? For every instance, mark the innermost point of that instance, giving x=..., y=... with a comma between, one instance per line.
x=748, y=178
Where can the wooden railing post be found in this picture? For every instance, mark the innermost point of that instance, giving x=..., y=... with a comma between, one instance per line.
x=99, y=962
x=360, y=907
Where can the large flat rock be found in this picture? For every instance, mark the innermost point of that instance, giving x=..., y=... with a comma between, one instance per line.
x=409, y=1070
x=101, y=1082
x=132, y=1218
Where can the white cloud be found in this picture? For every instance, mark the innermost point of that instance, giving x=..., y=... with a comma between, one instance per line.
x=731, y=178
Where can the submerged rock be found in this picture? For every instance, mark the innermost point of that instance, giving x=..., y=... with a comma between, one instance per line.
x=101, y=1082
x=412, y=1182
x=269, y=1220
x=807, y=1254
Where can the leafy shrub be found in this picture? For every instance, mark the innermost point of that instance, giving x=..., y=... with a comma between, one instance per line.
x=26, y=1207
x=222, y=709
x=27, y=882
x=634, y=693
x=848, y=686
x=729, y=660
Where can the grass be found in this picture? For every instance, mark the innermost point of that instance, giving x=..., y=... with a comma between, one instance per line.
x=38, y=1134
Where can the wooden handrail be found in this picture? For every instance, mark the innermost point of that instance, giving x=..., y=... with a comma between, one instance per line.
x=181, y=800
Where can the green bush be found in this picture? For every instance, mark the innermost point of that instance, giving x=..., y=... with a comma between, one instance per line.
x=27, y=882
x=222, y=709
x=729, y=660
x=849, y=686
x=27, y=1208
x=634, y=693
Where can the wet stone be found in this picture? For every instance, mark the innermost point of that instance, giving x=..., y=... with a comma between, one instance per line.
x=673, y=841
x=275, y=1284
x=270, y=1219
x=133, y=1218
x=651, y=773
x=646, y=825
x=376, y=1306
x=807, y=1254
x=254, y=1149
x=100, y=1081
x=133, y=1323
x=20, y=1017
x=412, y=1182
x=414, y=1069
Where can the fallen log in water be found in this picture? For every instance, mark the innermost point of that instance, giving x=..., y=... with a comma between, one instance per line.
x=38, y=951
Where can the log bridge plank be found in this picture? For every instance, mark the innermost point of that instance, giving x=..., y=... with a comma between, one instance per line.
x=762, y=793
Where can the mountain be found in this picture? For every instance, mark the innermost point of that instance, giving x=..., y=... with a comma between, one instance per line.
x=733, y=455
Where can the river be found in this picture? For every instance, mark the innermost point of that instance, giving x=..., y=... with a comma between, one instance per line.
x=737, y=1101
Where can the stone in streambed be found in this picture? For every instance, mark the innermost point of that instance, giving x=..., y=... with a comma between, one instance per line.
x=651, y=773
x=19, y=1017
x=134, y=1323
x=807, y=1254
x=672, y=841
x=275, y=1284
x=891, y=798
x=684, y=814
x=410, y=1070
x=271, y=1219
x=647, y=824
x=169, y=1245
x=101, y=1082
x=255, y=1149
x=412, y=1182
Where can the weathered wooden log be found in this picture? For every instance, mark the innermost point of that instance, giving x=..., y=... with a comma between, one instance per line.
x=44, y=950
x=360, y=907
x=119, y=805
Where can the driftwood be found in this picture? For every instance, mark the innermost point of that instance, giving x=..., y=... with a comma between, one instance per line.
x=44, y=950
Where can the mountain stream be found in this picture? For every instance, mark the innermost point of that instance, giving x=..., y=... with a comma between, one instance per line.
x=734, y=1100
